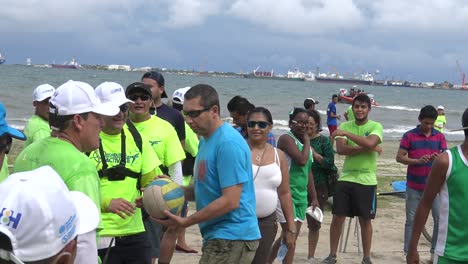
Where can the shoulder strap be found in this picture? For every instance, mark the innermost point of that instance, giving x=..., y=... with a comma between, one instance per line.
x=136, y=135
x=277, y=157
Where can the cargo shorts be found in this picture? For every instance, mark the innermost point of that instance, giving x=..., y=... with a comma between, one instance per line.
x=228, y=251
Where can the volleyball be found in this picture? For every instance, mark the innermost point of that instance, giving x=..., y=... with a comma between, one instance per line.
x=163, y=194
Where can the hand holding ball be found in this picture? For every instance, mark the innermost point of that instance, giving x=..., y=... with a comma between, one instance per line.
x=163, y=194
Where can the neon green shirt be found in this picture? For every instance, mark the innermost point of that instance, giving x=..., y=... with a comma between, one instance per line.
x=191, y=141
x=4, y=171
x=163, y=138
x=143, y=163
x=76, y=169
x=440, y=122
x=350, y=113
x=361, y=168
x=36, y=128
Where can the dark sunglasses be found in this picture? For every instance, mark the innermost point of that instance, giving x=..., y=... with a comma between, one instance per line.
x=143, y=97
x=260, y=124
x=195, y=113
x=124, y=108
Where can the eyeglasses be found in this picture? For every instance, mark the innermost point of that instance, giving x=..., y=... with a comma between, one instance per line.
x=195, y=113
x=143, y=97
x=300, y=123
x=124, y=108
x=260, y=124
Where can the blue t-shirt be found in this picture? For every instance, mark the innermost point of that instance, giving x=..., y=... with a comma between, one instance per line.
x=331, y=121
x=223, y=161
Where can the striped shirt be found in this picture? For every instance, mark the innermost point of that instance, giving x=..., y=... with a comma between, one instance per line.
x=417, y=145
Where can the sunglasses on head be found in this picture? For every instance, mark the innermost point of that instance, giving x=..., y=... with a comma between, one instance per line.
x=195, y=113
x=124, y=108
x=260, y=124
x=143, y=97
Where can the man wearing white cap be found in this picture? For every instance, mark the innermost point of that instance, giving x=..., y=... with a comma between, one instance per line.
x=125, y=161
x=439, y=124
x=7, y=133
x=40, y=219
x=76, y=118
x=38, y=125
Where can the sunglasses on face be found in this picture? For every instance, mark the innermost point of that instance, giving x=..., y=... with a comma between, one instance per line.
x=195, y=113
x=124, y=108
x=300, y=123
x=260, y=124
x=143, y=97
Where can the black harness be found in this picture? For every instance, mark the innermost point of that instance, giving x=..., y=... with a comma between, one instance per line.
x=119, y=172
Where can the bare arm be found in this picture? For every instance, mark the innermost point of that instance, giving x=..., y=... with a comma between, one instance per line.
x=288, y=145
x=402, y=157
x=434, y=184
x=369, y=142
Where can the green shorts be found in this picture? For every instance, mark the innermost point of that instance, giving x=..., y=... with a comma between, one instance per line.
x=444, y=260
x=300, y=212
x=228, y=251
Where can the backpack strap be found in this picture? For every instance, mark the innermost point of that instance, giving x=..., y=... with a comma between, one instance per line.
x=136, y=135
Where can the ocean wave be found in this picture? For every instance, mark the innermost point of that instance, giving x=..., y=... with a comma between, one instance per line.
x=399, y=107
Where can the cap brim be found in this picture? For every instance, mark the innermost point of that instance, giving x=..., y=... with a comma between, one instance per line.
x=107, y=109
x=15, y=133
x=42, y=98
x=164, y=94
x=87, y=212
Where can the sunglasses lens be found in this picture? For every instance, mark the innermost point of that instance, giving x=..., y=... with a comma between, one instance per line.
x=143, y=97
x=261, y=124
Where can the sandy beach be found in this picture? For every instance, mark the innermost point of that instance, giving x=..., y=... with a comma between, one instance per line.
x=388, y=226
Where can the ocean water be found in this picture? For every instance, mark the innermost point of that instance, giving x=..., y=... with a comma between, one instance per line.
x=398, y=110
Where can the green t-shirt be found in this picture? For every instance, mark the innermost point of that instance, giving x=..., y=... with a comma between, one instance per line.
x=440, y=121
x=76, y=169
x=299, y=176
x=349, y=113
x=361, y=168
x=191, y=141
x=4, y=171
x=163, y=138
x=138, y=162
x=36, y=128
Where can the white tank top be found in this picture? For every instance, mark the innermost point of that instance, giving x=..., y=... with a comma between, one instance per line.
x=266, y=184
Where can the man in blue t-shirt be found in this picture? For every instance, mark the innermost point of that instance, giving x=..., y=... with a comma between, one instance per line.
x=332, y=117
x=223, y=189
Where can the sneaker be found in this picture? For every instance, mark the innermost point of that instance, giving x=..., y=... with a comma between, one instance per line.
x=313, y=260
x=329, y=260
x=366, y=260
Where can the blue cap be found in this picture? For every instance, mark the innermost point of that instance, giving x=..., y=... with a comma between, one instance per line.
x=5, y=129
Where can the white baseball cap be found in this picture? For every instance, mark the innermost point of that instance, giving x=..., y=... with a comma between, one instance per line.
x=75, y=97
x=178, y=95
x=112, y=92
x=40, y=216
x=441, y=107
x=316, y=214
x=43, y=92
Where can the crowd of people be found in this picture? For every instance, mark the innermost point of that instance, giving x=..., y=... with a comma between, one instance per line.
x=75, y=194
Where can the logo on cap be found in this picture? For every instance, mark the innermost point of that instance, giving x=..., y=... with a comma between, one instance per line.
x=8, y=217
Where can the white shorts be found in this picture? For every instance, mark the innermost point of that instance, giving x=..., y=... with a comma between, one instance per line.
x=280, y=216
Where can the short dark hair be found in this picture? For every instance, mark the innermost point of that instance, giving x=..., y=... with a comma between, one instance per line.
x=465, y=122
x=295, y=112
x=362, y=98
x=208, y=95
x=240, y=105
x=335, y=95
x=428, y=111
x=262, y=110
x=316, y=116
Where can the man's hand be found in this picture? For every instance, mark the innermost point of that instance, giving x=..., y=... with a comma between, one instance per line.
x=434, y=156
x=121, y=207
x=173, y=221
x=378, y=149
x=424, y=159
x=412, y=257
x=339, y=133
x=338, y=117
x=139, y=202
x=289, y=239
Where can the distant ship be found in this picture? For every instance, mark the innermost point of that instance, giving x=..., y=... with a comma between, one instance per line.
x=270, y=75
x=72, y=65
x=364, y=79
x=2, y=59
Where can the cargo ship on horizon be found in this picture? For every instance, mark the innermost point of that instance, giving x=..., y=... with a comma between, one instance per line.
x=295, y=75
x=72, y=65
x=2, y=59
x=363, y=79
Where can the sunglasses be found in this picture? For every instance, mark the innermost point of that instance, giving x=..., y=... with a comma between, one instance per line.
x=195, y=113
x=124, y=108
x=143, y=97
x=260, y=124
x=300, y=123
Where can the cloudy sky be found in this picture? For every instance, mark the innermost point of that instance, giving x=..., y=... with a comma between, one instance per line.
x=418, y=40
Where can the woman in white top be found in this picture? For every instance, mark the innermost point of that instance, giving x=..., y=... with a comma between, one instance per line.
x=271, y=180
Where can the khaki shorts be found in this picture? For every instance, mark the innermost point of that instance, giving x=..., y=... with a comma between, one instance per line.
x=228, y=251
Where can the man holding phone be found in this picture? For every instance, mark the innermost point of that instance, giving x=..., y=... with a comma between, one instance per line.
x=418, y=148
